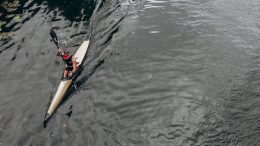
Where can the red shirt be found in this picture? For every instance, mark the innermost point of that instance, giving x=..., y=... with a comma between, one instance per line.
x=66, y=56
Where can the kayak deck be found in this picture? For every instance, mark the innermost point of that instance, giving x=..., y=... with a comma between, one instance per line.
x=65, y=84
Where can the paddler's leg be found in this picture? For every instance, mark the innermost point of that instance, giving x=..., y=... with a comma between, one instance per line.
x=74, y=66
x=70, y=71
x=65, y=74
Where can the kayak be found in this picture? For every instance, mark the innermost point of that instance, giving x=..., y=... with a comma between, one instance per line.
x=66, y=84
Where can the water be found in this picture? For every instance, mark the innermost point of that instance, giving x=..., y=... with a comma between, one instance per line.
x=157, y=72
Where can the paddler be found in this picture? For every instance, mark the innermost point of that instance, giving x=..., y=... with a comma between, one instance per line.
x=70, y=61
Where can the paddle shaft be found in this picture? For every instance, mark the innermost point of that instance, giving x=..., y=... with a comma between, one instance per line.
x=55, y=40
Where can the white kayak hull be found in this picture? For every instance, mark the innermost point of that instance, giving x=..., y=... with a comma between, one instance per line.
x=60, y=93
x=65, y=85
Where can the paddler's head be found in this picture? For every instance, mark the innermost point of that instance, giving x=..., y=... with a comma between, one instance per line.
x=66, y=52
x=66, y=55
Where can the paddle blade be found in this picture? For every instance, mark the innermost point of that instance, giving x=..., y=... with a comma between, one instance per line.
x=54, y=37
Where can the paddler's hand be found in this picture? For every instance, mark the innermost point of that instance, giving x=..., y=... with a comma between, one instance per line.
x=70, y=73
x=59, y=53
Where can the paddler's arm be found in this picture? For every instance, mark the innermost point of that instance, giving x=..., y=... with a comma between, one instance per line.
x=60, y=52
x=74, y=63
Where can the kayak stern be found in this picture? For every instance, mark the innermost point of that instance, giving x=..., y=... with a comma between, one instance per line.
x=61, y=92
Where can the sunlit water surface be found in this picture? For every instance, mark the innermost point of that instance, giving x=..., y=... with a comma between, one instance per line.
x=157, y=73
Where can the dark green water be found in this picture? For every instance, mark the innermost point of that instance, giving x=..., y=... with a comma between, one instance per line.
x=157, y=73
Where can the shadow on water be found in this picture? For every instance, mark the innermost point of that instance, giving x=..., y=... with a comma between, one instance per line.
x=11, y=11
x=82, y=80
x=73, y=10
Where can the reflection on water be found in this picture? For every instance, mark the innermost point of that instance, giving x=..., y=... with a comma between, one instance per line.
x=14, y=13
